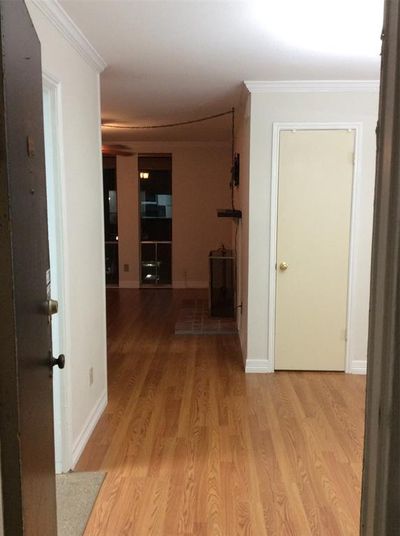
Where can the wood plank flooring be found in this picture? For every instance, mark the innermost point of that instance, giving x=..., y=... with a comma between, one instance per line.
x=193, y=446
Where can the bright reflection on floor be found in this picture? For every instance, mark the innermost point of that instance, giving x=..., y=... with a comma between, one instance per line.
x=338, y=27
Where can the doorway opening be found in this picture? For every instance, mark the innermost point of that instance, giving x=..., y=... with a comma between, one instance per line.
x=110, y=219
x=155, y=200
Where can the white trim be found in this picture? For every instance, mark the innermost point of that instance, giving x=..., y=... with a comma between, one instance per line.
x=49, y=81
x=313, y=86
x=60, y=19
x=175, y=284
x=358, y=367
x=104, y=398
x=128, y=284
x=351, y=364
x=189, y=284
x=355, y=204
x=88, y=428
x=53, y=87
x=258, y=366
x=138, y=147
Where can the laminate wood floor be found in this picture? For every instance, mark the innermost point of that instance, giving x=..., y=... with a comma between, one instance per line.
x=193, y=446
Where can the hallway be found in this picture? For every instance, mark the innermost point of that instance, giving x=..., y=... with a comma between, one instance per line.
x=193, y=446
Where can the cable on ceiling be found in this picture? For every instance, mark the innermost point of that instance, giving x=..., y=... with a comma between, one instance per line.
x=168, y=125
x=232, y=158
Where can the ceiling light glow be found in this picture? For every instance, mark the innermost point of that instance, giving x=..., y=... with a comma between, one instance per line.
x=337, y=27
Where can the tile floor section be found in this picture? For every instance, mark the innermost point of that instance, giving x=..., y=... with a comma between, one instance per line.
x=194, y=319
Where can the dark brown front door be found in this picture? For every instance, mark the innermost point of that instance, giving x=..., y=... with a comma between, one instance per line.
x=26, y=410
x=380, y=501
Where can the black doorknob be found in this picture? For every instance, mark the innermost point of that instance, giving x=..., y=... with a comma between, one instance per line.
x=59, y=361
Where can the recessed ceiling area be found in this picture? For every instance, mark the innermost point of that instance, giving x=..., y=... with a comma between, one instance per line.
x=178, y=60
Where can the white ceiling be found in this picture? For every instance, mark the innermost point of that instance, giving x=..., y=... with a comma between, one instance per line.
x=176, y=60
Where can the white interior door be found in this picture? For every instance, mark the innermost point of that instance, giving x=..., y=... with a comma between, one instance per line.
x=54, y=265
x=62, y=437
x=313, y=237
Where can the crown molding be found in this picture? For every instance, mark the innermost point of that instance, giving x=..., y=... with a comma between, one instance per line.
x=313, y=86
x=60, y=19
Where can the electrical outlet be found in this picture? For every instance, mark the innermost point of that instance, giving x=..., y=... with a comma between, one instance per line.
x=126, y=267
x=91, y=376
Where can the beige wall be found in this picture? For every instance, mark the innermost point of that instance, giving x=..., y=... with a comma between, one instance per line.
x=270, y=107
x=82, y=199
x=200, y=185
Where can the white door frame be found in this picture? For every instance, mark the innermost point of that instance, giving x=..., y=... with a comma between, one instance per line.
x=350, y=327
x=62, y=379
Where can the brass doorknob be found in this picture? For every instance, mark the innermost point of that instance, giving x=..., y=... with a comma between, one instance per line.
x=52, y=307
x=283, y=266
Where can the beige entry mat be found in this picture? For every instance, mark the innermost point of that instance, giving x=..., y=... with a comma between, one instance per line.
x=76, y=495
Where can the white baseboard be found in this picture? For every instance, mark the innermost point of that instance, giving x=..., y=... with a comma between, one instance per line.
x=129, y=284
x=88, y=428
x=358, y=366
x=259, y=366
x=190, y=284
x=265, y=366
